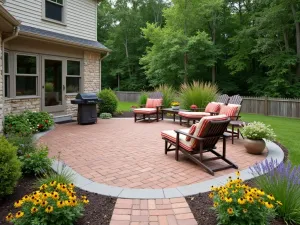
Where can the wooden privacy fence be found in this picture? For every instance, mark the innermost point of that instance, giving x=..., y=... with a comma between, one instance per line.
x=257, y=105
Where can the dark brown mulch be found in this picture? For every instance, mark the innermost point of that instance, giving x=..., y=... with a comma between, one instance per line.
x=98, y=211
x=200, y=204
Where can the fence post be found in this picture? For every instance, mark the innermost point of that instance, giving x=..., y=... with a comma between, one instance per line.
x=266, y=106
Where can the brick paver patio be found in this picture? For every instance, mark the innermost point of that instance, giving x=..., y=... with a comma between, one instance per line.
x=174, y=211
x=122, y=153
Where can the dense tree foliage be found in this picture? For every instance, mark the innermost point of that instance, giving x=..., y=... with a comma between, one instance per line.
x=250, y=47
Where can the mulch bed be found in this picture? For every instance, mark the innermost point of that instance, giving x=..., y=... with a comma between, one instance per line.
x=201, y=204
x=98, y=211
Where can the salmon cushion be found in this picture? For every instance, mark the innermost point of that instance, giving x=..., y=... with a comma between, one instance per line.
x=229, y=110
x=152, y=103
x=213, y=107
x=191, y=132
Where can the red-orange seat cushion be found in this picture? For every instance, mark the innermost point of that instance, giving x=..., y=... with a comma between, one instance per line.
x=229, y=111
x=152, y=103
x=213, y=107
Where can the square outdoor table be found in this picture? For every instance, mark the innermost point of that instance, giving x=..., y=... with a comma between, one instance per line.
x=172, y=111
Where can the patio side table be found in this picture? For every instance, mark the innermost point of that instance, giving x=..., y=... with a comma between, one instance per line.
x=172, y=111
x=235, y=124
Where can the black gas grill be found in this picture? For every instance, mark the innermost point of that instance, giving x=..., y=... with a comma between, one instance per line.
x=87, y=107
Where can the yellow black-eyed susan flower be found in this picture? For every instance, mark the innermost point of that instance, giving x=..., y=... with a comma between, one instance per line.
x=60, y=204
x=86, y=201
x=237, y=173
x=55, y=196
x=49, y=209
x=33, y=210
x=9, y=217
x=228, y=200
x=25, y=198
x=52, y=183
x=44, y=203
x=72, y=197
x=230, y=211
x=18, y=204
x=241, y=201
x=73, y=203
x=269, y=205
x=211, y=195
x=43, y=187
x=245, y=210
x=83, y=197
x=278, y=203
x=71, y=185
x=37, y=202
x=250, y=199
x=19, y=214
x=271, y=197
x=216, y=204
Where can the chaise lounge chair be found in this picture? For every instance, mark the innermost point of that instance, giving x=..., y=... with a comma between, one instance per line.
x=152, y=107
x=199, y=139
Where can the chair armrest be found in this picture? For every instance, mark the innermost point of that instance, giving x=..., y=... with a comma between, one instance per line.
x=189, y=135
x=159, y=107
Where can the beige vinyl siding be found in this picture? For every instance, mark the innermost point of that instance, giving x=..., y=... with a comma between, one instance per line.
x=80, y=18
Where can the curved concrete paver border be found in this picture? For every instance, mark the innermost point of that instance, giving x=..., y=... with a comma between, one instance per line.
x=274, y=152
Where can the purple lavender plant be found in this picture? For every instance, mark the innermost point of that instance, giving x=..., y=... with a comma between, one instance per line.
x=283, y=181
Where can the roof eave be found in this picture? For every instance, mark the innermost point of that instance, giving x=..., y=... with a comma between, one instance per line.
x=64, y=42
x=8, y=17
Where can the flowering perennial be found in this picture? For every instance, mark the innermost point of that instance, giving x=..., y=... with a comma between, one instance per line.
x=258, y=131
x=238, y=203
x=52, y=202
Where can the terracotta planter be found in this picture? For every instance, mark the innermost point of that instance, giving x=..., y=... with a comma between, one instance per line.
x=255, y=147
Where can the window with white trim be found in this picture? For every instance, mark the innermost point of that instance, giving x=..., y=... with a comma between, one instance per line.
x=73, y=79
x=54, y=10
x=6, y=75
x=26, y=75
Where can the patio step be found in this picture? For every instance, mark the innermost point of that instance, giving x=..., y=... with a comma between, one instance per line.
x=62, y=118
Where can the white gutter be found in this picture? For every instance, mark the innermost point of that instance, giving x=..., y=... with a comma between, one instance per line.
x=14, y=35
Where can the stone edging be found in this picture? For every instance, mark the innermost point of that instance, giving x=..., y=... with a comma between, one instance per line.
x=274, y=152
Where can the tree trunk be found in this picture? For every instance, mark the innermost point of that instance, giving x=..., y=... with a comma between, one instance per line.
x=127, y=55
x=213, y=71
x=286, y=40
x=240, y=12
x=297, y=25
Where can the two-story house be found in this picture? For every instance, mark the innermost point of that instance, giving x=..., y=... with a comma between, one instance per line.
x=49, y=53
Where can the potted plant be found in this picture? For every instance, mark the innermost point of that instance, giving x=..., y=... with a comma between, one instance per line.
x=175, y=105
x=255, y=135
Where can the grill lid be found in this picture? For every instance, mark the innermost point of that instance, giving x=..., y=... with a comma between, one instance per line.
x=87, y=96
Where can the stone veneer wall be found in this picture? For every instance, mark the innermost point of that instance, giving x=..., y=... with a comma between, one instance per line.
x=19, y=105
x=91, y=72
x=1, y=85
x=71, y=109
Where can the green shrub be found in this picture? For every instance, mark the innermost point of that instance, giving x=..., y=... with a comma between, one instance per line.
x=238, y=204
x=143, y=98
x=258, y=131
x=109, y=102
x=197, y=93
x=24, y=144
x=27, y=123
x=41, y=121
x=10, y=167
x=168, y=95
x=63, y=176
x=18, y=124
x=36, y=162
x=283, y=181
x=54, y=203
x=105, y=116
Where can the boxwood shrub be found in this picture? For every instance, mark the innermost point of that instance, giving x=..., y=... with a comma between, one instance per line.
x=109, y=102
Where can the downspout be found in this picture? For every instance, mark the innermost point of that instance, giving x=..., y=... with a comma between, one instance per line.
x=100, y=68
x=14, y=35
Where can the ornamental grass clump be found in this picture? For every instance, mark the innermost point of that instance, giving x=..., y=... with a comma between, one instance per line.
x=168, y=94
x=237, y=203
x=258, y=131
x=53, y=203
x=283, y=180
x=197, y=93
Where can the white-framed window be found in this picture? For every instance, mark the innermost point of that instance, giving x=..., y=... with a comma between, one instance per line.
x=54, y=10
x=7, y=77
x=26, y=75
x=73, y=79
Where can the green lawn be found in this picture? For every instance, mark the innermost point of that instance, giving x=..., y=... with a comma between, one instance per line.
x=287, y=130
x=125, y=106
